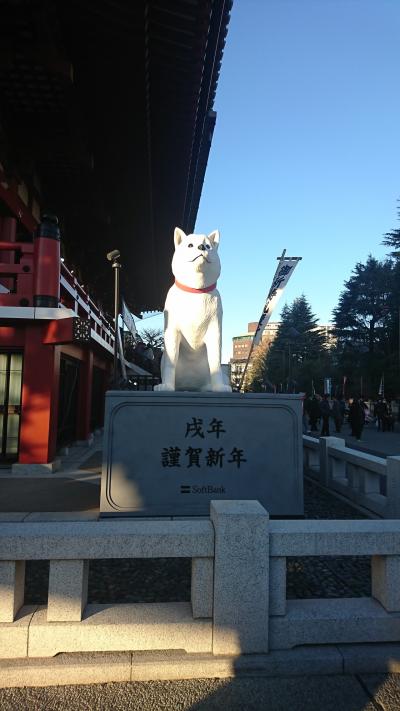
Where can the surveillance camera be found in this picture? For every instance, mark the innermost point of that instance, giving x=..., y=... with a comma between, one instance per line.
x=115, y=254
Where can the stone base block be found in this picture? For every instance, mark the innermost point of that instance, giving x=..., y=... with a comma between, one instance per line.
x=14, y=635
x=152, y=666
x=333, y=621
x=101, y=668
x=171, y=454
x=36, y=469
x=66, y=669
x=118, y=628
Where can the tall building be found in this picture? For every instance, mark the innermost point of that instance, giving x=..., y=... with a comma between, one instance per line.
x=241, y=347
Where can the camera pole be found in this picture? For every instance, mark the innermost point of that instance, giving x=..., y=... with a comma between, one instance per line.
x=113, y=257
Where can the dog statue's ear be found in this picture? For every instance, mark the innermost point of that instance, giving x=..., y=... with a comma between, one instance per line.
x=214, y=238
x=178, y=236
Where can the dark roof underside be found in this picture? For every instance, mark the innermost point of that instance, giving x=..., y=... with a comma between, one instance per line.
x=110, y=103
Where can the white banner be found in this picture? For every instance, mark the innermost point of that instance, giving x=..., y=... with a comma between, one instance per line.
x=283, y=273
x=121, y=354
x=128, y=319
x=328, y=386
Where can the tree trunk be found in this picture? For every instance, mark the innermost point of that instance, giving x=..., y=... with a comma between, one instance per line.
x=371, y=336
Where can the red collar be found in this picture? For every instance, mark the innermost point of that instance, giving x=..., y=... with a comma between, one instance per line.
x=195, y=291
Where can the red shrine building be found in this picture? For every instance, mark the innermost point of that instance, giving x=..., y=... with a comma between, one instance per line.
x=106, y=122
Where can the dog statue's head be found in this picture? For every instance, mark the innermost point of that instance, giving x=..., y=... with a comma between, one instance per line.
x=196, y=262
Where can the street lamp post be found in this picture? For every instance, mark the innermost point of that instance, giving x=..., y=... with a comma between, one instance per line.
x=113, y=257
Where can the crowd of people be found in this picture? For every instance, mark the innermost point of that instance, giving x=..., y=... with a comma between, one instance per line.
x=321, y=412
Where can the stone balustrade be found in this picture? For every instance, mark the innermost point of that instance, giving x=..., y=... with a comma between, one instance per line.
x=368, y=481
x=339, y=620
x=238, y=593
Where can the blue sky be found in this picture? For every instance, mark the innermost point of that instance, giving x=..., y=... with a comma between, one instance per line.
x=306, y=150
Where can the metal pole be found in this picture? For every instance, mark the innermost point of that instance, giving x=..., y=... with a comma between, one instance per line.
x=113, y=257
x=116, y=266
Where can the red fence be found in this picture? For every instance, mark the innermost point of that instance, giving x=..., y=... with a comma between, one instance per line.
x=17, y=272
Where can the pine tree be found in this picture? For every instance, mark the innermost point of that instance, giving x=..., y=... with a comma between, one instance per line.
x=367, y=322
x=361, y=317
x=392, y=239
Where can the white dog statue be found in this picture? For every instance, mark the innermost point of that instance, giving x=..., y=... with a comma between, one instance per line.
x=193, y=317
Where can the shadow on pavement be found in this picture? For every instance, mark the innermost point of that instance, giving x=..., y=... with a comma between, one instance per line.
x=61, y=494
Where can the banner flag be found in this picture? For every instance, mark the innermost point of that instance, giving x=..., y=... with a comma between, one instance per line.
x=128, y=319
x=121, y=354
x=381, y=390
x=282, y=275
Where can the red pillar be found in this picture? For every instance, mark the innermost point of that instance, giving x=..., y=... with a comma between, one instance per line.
x=8, y=233
x=46, y=286
x=40, y=393
x=85, y=396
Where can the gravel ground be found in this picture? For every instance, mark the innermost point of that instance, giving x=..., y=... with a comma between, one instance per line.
x=325, y=576
x=330, y=693
x=168, y=579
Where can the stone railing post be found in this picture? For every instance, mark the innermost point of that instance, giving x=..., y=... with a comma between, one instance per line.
x=338, y=467
x=277, y=586
x=68, y=588
x=393, y=487
x=385, y=579
x=202, y=587
x=12, y=583
x=310, y=454
x=241, y=577
x=370, y=482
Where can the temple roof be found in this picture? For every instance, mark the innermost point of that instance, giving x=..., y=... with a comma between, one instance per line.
x=109, y=105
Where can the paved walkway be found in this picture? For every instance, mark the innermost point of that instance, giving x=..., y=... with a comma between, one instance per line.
x=75, y=487
x=373, y=441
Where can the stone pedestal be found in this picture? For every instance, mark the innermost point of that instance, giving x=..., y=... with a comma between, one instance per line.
x=170, y=454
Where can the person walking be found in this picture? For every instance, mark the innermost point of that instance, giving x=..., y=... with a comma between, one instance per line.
x=337, y=414
x=357, y=418
x=325, y=411
x=313, y=413
x=342, y=405
x=388, y=419
x=380, y=411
